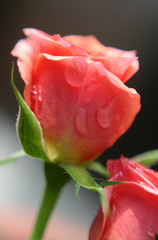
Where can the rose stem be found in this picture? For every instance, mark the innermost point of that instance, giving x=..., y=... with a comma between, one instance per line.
x=55, y=180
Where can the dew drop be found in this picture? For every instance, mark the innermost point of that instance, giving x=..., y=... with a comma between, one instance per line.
x=105, y=116
x=36, y=99
x=141, y=182
x=118, y=176
x=74, y=73
x=150, y=233
x=33, y=97
x=81, y=121
x=121, y=174
x=40, y=97
x=33, y=92
x=137, y=168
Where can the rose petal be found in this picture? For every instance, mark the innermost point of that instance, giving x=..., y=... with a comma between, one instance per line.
x=133, y=204
x=123, y=64
x=83, y=104
x=90, y=43
x=134, y=214
x=124, y=170
x=97, y=227
x=27, y=51
x=122, y=67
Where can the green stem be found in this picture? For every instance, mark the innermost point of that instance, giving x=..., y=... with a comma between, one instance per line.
x=12, y=157
x=46, y=208
x=56, y=179
x=99, y=168
x=148, y=158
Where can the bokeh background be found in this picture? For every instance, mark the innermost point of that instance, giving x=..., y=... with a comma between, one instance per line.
x=123, y=24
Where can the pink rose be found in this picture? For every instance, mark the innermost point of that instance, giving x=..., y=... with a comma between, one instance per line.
x=133, y=205
x=75, y=87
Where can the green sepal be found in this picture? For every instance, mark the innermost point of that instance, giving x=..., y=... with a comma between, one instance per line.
x=99, y=168
x=148, y=158
x=77, y=188
x=84, y=179
x=81, y=176
x=28, y=128
x=156, y=237
x=107, y=183
x=12, y=158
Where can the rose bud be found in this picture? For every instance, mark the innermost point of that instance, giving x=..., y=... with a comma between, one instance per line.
x=75, y=87
x=133, y=204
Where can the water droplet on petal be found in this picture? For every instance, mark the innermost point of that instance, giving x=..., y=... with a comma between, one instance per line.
x=81, y=121
x=118, y=176
x=33, y=92
x=33, y=96
x=150, y=233
x=74, y=73
x=121, y=174
x=36, y=99
x=40, y=98
x=141, y=182
x=105, y=116
x=137, y=168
